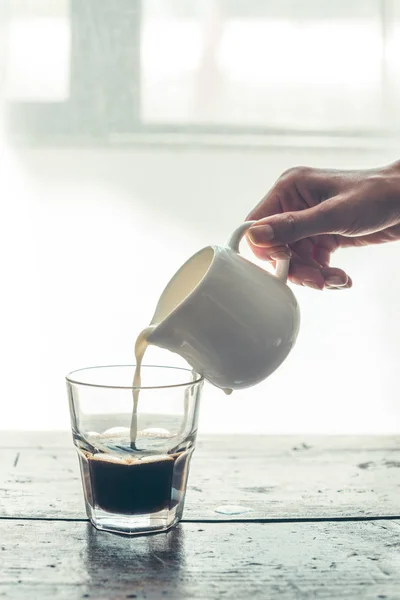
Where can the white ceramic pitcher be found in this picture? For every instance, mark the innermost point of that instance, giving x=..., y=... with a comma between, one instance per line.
x=231, y=320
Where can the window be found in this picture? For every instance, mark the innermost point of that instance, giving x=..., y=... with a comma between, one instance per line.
x=39, y=46
x=276, y=65
x=115, y=68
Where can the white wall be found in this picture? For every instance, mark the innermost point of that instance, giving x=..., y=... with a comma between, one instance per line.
x=81, y=227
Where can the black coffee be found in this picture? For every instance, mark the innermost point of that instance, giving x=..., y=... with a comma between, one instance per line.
x=142, y=487
x=136, y=486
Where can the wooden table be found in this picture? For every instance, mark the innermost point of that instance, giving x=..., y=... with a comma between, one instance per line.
x=265, y=517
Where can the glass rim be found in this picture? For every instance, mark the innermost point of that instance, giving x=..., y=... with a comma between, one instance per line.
x=70, y=379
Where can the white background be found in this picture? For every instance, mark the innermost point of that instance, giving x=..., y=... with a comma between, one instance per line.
x=89, y=236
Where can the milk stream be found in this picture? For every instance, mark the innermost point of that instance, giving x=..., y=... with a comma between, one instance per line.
x=141, y=345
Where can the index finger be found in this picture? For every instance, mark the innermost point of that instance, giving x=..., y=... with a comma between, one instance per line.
x=268, y=206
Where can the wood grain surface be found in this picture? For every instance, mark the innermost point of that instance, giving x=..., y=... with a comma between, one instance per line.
x=318, y=521
x=271, y=477
x=67, y=561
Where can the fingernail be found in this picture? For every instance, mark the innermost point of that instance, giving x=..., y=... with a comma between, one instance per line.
x=261, y=233
x=335, y=281
x=281, y=255
x=311, y=284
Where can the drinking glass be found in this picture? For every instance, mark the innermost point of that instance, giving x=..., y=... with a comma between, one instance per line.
x=134, y=463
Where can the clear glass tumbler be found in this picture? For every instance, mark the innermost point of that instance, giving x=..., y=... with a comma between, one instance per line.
x=134, y=463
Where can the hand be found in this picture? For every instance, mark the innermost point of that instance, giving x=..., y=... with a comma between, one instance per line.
x=310, y=213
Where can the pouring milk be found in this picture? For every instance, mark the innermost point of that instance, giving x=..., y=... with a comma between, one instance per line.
x=232, y=321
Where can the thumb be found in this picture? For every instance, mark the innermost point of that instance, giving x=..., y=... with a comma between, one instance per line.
x=290, y=227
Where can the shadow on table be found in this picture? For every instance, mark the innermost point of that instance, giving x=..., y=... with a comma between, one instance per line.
x=135, y=564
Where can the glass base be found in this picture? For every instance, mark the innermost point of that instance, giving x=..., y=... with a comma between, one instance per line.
x=134, y=524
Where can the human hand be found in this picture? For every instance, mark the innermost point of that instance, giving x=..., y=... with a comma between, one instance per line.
x=310, y=213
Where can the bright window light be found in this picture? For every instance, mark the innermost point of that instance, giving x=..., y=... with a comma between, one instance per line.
x=37, y=66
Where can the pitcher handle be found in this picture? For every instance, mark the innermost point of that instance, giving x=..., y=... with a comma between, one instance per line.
x=281, y=267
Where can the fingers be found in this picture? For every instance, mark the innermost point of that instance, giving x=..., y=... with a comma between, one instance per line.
x=269, y=205
x=336, y=278
x=319, y=279
x=348, y=285
x=322, y=256
x=324, y=246
x=306, y=276
x=290, y=227
x=273, y=202
x=305, y=250
x=272, y=254
x=296, y=189
x=306, y=271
